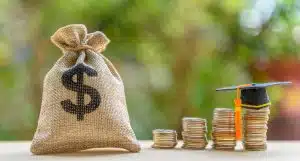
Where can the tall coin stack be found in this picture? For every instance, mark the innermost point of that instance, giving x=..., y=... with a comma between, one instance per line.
x=223, y=129
x=164, y=139
x=255, y=128
x=194, y=133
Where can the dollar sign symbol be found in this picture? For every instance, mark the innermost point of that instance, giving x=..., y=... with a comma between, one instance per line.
x=80, y=109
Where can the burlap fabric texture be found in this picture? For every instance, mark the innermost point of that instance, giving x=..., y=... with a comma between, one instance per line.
x=83, y=102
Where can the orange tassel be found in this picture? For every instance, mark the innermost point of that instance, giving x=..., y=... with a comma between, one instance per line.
x=238, y=128
x=237, y=111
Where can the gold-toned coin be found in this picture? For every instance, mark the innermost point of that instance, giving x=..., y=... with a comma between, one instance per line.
x=223, y=129
x=194, y=133
x=164, y=138
x=255, y=129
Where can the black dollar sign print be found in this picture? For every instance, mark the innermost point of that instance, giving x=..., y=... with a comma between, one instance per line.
x=80, y=109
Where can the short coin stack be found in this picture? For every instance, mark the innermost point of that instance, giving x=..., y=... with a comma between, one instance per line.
x=194, y=133
x=255, y=128
x=223, y=129
x=164, y=138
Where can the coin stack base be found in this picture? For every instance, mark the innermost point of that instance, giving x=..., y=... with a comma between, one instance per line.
x=223, y=129
x=255, y=129
x=194, y=133
x=164, y=139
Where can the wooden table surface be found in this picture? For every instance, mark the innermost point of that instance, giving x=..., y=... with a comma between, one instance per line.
x=277, y=150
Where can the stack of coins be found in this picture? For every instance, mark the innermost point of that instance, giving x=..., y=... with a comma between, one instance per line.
x=255, y=128
x=164, y=138
x=223, y=129
x=194, y=133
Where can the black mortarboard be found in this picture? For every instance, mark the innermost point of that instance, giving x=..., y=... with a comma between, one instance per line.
x=254, y=95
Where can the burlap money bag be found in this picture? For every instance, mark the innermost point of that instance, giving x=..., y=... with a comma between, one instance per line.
x=83, y=102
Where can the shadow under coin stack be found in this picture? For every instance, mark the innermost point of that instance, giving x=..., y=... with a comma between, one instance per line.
x=164, y=139
x=255, y=128
x=223, y=129
x=194, y=133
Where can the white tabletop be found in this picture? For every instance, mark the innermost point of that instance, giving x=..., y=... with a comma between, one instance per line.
x=277, y=150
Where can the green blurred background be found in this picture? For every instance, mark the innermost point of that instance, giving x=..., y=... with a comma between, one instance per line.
x=171, y=54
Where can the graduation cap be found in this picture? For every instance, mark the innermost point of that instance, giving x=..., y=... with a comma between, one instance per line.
x=253, y=96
